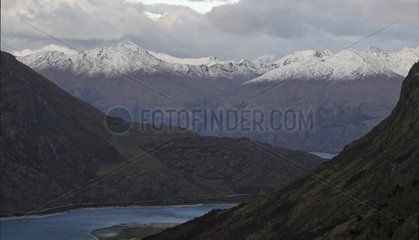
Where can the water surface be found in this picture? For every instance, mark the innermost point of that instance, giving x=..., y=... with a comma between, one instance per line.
x=76, y=224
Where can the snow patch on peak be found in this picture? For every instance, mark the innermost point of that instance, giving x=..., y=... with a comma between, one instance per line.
x=127, y=57
x=48, y=48
x=114, y=59
x=348, y=64
x=403, y=60
x=187, y=61
x=305, y=55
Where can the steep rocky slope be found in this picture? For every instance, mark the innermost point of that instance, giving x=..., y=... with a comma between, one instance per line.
x=369, y=191
x=57, y=150
x=50, y=142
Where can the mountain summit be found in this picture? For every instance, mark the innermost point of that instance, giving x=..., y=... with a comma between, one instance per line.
x=127, y=58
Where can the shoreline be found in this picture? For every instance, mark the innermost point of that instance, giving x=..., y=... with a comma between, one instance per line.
x=116, y=231
x=30, y=216
x=236, y=199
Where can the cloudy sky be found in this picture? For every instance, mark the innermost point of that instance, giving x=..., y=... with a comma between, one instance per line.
x=228, y=29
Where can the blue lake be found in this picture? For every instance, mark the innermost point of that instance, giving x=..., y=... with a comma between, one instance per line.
x=76, y=225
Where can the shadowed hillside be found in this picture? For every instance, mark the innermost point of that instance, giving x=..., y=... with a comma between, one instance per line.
x=369, y=191
x=56, y=151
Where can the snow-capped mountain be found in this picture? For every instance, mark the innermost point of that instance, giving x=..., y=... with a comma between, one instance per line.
x=48, y=48
x=348, y=64
x=112, y=60
x=353, y=91
x=402, y=60
x=127, y=57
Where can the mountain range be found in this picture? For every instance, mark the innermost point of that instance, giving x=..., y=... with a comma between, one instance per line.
x=58, y=151
x=369, y=191
x=127, y=57
x=349, y=91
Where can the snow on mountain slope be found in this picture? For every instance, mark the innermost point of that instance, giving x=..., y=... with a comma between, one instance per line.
x=186, y=61
x=127, y=57
x=48, y=48
x=305, y=55
x=233, y=70
x=347, y=64
x=112, y=60
x=401, y=61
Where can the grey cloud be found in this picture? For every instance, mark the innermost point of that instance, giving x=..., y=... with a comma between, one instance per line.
x=246, y=29
x=250, y=17
x=287, y=19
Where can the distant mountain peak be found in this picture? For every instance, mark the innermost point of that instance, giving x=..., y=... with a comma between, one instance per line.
x=347, y=64
x=127, y=57
x=186, y=61
x=47, y=48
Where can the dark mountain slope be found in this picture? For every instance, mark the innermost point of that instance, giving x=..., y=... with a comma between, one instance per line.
x=369, y=191
x=53, y=144
x=223, y=165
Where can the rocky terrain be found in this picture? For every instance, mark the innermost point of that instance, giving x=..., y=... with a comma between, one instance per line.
x=57, y=151
x=369, y=191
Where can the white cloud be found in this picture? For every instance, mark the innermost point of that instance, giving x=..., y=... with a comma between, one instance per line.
x=201, y=6
x=155, y=16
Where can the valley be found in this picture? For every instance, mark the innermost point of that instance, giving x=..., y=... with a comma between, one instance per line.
x=209, y=120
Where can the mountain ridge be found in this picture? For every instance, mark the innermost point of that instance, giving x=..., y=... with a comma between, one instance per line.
x=269, y=66
x=347, y=64
x=126, y=57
